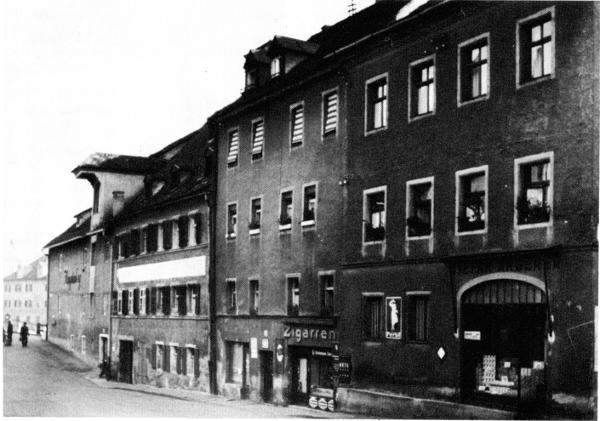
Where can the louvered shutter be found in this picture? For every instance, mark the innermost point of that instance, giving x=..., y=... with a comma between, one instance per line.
x=184, y=353
x=258, y=138
x=331, y=113
x=178, y=360
x=234, y=147
x=153, y=356
x=167, y=359
x=196, y=362
x=297, y=125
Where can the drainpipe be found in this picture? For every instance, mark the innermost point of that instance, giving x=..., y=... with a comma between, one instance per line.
x=212, y=305
x=110, y=307
x=48, y=298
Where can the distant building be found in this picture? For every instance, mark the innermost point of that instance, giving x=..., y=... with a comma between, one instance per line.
x=25, y=295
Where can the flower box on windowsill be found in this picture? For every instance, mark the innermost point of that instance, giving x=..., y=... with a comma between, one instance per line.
x=310, y=223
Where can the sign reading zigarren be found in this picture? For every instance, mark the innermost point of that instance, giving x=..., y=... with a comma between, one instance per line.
x=306, y=334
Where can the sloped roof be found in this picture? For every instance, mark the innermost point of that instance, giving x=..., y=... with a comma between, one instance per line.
x=31, y=274
x=293, y=44
x=72, y=233
x=125, y=164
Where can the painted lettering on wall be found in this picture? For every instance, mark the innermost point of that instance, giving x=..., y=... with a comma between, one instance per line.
x=300, y=334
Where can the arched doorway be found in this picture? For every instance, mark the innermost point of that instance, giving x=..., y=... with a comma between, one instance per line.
x=503, y=325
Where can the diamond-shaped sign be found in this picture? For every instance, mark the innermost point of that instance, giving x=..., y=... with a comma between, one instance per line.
x=441, y=353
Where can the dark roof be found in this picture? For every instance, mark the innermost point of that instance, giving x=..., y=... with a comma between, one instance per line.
x=189, y=158
x=292, y=44
x=124, y=164
x=72, y=233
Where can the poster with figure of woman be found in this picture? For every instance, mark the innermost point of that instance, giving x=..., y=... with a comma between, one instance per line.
x=393, y=317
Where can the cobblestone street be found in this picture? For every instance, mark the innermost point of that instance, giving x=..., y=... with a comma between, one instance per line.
x=43, y=380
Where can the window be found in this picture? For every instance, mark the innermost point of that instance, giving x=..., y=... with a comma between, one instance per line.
x=183, y=228
x=419, y=208
x=141, y=301
x=276, y=66
x=376, y=94
x=199, y=231
x=151, y=294
x=250, y=79
x=234, y=147
x=535, y=47
x=232, y=220
x=92, y=306
x=152, y=238
x=309, y=205
x=258, y=139
x=330, y=113
x=238, y=362
x=96, y=200
x=254, y=296
x=286, y=210
x=193, y=295
x=82, y=342
x=190, y=363
x=372, y=317
x=116, y=302
x=474, y=69
x=534, y=193
x=422, y=87
x=173, y=360
x=181, y=299
x=293, y=295
x=471, y=200
x=165, y=299
x=418, y=313
x=374, y=210
x=18, y=288
x=296, y=125
x=231, y=297
x=135, y=242
x=327, y=294
x=160, y=356
x=124, y=302
x=124, y=245
x=255, y=216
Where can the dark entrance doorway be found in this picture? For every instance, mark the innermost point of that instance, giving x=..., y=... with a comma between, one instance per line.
x=502, y=343
x=311, y=372
x=126, y=361
x=266, y=373
x=103, y=348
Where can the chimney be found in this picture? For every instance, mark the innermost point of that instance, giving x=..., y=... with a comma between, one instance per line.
x=118, y=202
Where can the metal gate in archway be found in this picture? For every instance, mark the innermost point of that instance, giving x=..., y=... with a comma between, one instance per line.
x=503, y=325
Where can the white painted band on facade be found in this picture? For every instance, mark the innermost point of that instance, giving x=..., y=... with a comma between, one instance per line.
x=180, y=268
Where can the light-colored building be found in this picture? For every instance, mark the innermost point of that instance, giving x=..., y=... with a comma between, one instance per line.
x=25, y=294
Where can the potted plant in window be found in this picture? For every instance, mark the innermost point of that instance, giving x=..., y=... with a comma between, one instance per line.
x=417, y=227
x=472, y=218
x=532, y=212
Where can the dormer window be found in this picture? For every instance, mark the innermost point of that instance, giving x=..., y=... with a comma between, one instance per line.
x=250, y=79
x=276, y=66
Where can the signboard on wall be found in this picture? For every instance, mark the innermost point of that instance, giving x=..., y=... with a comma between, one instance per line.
x=393, y=317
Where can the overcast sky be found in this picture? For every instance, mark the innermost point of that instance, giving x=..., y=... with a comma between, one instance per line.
x=119, y=76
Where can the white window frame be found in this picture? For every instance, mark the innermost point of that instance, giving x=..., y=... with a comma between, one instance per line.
x=83, y=345
x=461, y=47
x=256, y=232
x=411, y=66
x=409, y=184
x=286, y=227
x=229, y=131
x=162, y=357
x=366, y=104
x=544, y=156
x=290, y=293
x=250, y=298
x=252, y=123
x=173, y=357
x=460, y=174
x=521, y=22
x=232, y=236
x=324, y=95
x=322, y=290
x=227, y=282
x=310, y=223
x=100, y=336
x=365, y=214
x=190, y=372
x=291, y=126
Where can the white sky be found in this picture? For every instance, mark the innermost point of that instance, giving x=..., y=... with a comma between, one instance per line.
x=119, y=76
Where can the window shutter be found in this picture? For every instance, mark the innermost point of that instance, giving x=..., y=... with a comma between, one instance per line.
x=184, y=353
x=297, y=125
x=153, y=356
x=234, y=145
x=331, y=113
x=167, y=359
x=258, y=138
x=178, y=360
x=196, y=362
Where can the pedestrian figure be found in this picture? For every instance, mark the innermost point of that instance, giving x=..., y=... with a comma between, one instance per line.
x=9, y=333
x=24, y=334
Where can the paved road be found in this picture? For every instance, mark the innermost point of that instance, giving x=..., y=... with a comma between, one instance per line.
x=43, y=380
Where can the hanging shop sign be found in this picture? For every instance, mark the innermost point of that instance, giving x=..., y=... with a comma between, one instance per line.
x=393, y=317
x=300, y=334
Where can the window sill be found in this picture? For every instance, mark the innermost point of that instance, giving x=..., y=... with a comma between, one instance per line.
x=231, y=236
x=473, y=100
x=257, y=158
x=535, y=81
x=534, y=226
x=373, y=131
x=371, y=342
x=254, y=232
x=467, y=233
x=421, y=116
x=307, y=223
x=296, y=145
x=329, y=134
x=424, y=237
x=286, y=227
x=373, y=243
x=231, y=166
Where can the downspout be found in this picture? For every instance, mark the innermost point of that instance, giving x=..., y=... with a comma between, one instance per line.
x=212, y=205
x=110, y=312
x=48, y=298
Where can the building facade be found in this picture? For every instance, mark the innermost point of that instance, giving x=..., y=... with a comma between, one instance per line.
x=160, y=321
x=25, y=295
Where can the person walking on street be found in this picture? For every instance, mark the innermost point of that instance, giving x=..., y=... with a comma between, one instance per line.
x=9, y=333
x=24, y=334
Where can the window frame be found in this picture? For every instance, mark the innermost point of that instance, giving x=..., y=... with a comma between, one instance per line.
x=366, y=214
x=411, y=68
x=286, y=227
x=255, y=231
x=290, y=294
x=233, y=235
x=520, y=80
x=410, y=296
x=237, y=161
x=458, y=190
x=462, y=47
x=253, y=299
x=527, y=160
x=279, y=60
x=409, y=184
x=324, y=96
x=294, y=106
x=367, y=104
x=322, y=275
x=380, y=296
x=313, y=222
x=231, y=309
x=262, y=153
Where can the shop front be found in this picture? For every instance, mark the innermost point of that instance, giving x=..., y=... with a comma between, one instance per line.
x=312, y=357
